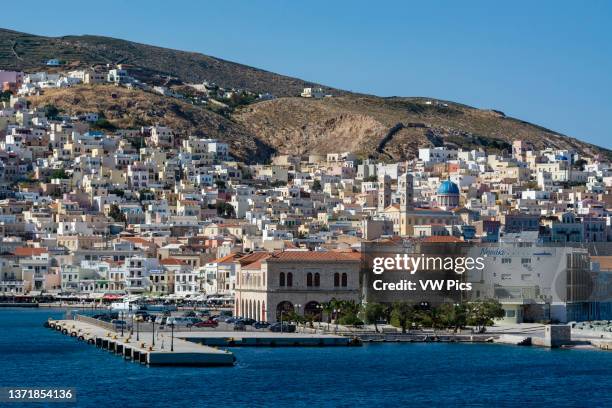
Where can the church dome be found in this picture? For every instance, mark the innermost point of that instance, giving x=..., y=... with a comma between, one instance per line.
x=448, y=188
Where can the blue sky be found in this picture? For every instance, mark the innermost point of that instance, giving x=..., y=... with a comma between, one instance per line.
x=547, y=62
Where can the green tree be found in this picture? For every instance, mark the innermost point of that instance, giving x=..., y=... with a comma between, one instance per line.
x=117, y=191
x=579, y=164
x=373, y=312
x=59, y=174
x=51, y=111
x=453, y=316
x=316, y=186
x=104, y=124
x=434, y=318
x=482, y=313
x=328, y=309
x=5, y=96
x=404, y=314
x=225, y=210
x=116, y=214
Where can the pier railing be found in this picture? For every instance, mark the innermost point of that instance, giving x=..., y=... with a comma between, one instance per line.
x=96, y=322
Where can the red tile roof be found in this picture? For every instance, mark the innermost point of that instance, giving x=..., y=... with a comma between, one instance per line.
x=441, y=239
x=28, y=251
x=314, y=256
x=171, y=261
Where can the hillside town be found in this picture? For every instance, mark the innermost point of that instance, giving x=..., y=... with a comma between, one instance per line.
x=96, y=215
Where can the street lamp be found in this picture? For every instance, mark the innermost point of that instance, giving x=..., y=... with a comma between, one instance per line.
x=172, y=337
x=122, y=323
x=319, y=307
x=296, y=309
x=336, y=314
x=153, y=321
x=132, y=325
x=137, y=329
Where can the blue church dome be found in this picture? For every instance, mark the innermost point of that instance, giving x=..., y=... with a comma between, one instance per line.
x=448, y=187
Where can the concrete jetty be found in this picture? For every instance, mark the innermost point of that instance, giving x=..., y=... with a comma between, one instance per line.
x=161, y=351
x=266, y=339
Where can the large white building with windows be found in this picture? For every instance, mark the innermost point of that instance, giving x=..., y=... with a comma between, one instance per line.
x=269, y=284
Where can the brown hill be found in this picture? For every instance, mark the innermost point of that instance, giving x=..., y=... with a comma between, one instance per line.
x=125, y=108
x=390, y=127
x=30, y=52
x=386, y=127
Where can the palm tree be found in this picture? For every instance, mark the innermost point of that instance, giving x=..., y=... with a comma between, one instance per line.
x=372, y=312
x=405, y=314
x=328, y=308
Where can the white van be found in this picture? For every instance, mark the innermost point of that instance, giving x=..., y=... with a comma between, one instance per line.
x=180, y=321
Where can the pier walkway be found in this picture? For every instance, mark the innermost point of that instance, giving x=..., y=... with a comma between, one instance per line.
x=161, y=350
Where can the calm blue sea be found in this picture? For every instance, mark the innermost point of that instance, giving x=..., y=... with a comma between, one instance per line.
x=380, y=375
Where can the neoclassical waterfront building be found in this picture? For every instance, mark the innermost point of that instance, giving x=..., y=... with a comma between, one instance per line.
x=271, y=283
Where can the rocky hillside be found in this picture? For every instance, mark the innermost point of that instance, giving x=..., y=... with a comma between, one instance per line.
x=124, y=108
x=390, y=127
x=30, y=52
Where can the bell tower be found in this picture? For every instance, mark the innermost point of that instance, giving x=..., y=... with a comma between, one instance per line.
x=384, y=192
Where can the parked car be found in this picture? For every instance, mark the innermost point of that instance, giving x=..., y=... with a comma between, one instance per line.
x=190, y=313
x=206, y=323
x=286, y=327
x=119, y=323
x=261, y=325
x=239, y=326
x=142, y=314
x=248, y=321
x=179, y=321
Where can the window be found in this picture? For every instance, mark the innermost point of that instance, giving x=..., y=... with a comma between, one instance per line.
x=525, y=260
x=289, y=279
x=336, y=279
x=317, y=279
x=506, y=260
x=281, y=279
x=344, y=280
x=506, y=276
x=309, y=279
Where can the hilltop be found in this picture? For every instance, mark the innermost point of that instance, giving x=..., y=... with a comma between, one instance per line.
x=391, y=128
x=28, y=52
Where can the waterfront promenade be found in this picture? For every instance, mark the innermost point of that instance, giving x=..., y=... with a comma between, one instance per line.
x=146, y=348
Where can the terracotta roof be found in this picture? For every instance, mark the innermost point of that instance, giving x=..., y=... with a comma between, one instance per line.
x=314, y=256
x=28, y=251
x=441, y=238
x=227, y=258
x=171, y=261
x=137, y=240
x=605, y=262
x=254, y=257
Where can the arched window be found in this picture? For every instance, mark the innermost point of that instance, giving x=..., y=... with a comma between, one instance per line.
x=281, y=279
x=309, y=279
x=336, y=279
x=344, y=280
x=317, y=280
x=289, y=279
